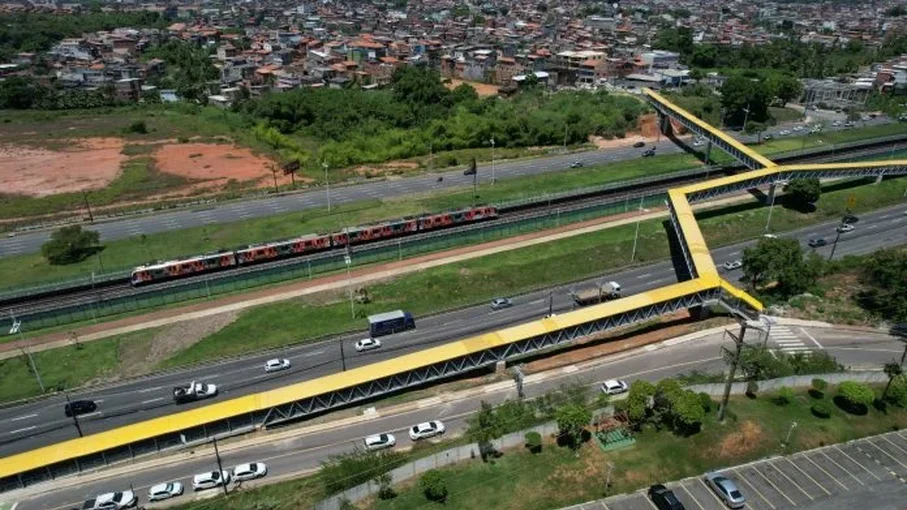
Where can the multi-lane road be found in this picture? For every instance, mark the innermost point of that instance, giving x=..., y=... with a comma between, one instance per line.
x=257, y=208
x=29, y=426
x=303, y=452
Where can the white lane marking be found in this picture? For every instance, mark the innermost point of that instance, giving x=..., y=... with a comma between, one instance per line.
x=640, y=277
x=811, y=338
x=27, y=416
x=26, y=429
x=314, y=353
x=89, y=415
x=98, y=401
x=147, y=390
x=152, y=400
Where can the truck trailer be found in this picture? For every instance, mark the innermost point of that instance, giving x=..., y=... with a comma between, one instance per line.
x=390, y=322
x=595, y=295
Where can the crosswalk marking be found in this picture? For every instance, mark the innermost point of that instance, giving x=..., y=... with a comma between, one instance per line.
x=787, y=341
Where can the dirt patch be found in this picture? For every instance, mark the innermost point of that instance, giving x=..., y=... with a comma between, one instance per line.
x=83, y=165
x=386, y=169
x=483, y=89
x=213, y=163
x=628, y=141
x=745, y=440
x=143, y=358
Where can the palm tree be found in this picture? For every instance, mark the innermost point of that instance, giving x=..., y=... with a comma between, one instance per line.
x=892, y=370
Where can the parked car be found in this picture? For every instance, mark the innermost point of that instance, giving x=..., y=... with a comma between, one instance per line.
x=367, y=344
x=210, y=480
x=249, y=471
x=768, y=137
x=639, y=145
x=817, y=242
x=726, y=490
x=732, y=265
x=798, y=128
x=576, y=164
x=501, y=303
x=380, y=441
x=648, y=153
x=664, y=499
x=845, y=227
x=111, y=501
x=614, y=386
x=426, y=430
x=850, y=218
x=784, y=132
x=276, y=365
x=77, y=407
x=164, y=491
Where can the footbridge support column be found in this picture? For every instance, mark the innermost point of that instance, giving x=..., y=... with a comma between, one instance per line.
x=880, y=177
x=664, y=124
x=708, y=153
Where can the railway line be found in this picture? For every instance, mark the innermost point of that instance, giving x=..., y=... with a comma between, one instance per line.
x=627, y=192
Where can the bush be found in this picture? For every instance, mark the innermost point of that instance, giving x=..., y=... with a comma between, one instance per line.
x=819, y=384
x=784, y=396
x=897, y=392
x=341, y=472
x=706, y=400
x=821, y=409
x=751, y=389
x=533, y=442
x=433, y=485
x=137, y=127
x=855, y=397
x=69, y=245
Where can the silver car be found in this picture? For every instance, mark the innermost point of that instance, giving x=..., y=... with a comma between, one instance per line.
x=726, y=490
x=164, y=491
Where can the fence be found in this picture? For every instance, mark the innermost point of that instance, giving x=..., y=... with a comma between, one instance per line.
x=310, y=267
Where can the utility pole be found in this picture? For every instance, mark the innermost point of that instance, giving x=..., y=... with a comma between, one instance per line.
x=834, y=246
x=734, y=359
x=88, y=206
x=349, y=282
x=518, y=377
x=790, y=431
x=550, y=303
x=75, y=419
x=342, y=356
x=274, y=175
x=608, y=479
x=636, y=236
x=492, y=161
x=565, y=138
x=220, y=466
x=327, y=183
x=17, y=328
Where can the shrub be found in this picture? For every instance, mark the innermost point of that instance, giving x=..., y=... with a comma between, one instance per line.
x=751, y=389
x=821, y=409
x=137, y=127
x=897, y=392
x=533, y=442
x=855, y=397
x=784, y=396
x=819, y=384
x=433, y=485
x=70, y=244
x=706, y=400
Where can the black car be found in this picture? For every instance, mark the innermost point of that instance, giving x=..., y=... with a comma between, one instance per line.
x=664, y=498
x=639, y=144
x=648, y=153
x=817, y=242
x=768, y=137
x=77, y=407
x=850, y=219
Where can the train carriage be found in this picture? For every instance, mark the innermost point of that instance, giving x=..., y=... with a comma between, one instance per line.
x=180, y=268
x=369, y=233
x=279, y=249
x=457, y=217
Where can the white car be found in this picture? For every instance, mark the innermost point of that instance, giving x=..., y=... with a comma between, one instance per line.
x=164, y=491
x=426, y=430
x=614, y=386
x=846, y=227
x=798, y=128
x=732, y=265
x=276, y=365
x=111, y=501
x=249, y=471
x=380, y=442
x=784, y=132
x=367, y=344
x=210, y=480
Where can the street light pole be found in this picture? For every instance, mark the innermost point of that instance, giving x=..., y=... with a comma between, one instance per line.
x=88, y=206
x=327, y=182
x=342, y=357
x=220, y=466
x=834, y=246
x=349, y=281
x=17, y=328
x=75, y=419
x=492, y=161
x=771, y=207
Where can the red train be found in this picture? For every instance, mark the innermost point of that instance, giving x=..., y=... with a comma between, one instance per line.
x=312, y=243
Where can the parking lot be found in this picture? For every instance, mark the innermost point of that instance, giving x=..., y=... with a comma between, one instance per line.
x=868, y=473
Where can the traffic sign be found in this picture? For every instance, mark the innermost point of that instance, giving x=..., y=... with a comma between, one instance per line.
x=347, y=259
x=15, y=329
x=851, y=201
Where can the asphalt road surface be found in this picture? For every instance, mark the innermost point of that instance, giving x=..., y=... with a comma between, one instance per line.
x=41, y=423
x=257, y=208
x=866, y=473
x=301, y=453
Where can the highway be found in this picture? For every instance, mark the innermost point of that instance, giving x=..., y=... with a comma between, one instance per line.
x=303, y=452
x=41, y=423
x=262, y=207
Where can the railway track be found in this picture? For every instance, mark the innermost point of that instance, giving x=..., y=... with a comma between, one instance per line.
x=512, y=213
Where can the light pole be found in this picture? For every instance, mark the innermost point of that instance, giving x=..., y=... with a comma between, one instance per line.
x=75, y=419
x=349, y=281
x=17, y=328
x=771, y=208
x=790, y=431
x=220, y=466
x=636, y=236
x=565, y=138
x=327, y=183
x=492, y=161
x=88, y=206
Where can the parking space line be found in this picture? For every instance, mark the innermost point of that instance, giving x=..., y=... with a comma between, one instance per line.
x=709, y=490
x=795, y=484
x=773, y=485
x=820, y=468
x=751, y=486
x=813, y=480
x=649, y=501
x=604, y=505
x=692, y=497
x=842, y=468
x=855, y=462
x=894, y=444
x=877, y=447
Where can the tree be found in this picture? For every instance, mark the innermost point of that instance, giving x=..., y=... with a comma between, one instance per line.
x=385, y=486
x=855, y=397
x=802, y=194
x=667, y=391
x=781, y=261
x=343, y=471
x=744, y=99
x=785, y=87
x=572, y=420
x=641, y=391
x=483, y=428
x=20, y=93
x=784, y=396
x=755, y=128
x=885, y=272
x=897, y=390
x=687, y=412
x=892, y=370
x=434, y=486
x=70, y=244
